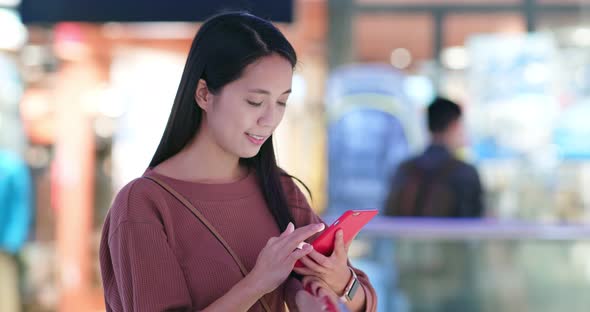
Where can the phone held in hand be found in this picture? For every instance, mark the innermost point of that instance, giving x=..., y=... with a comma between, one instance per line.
x=351, y=222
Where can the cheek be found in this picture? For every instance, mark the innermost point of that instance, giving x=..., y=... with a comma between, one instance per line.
x=281, y=115
x=231, y=122
x=226, y=113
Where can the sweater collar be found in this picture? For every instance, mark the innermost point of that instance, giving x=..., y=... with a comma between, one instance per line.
x=211, y=192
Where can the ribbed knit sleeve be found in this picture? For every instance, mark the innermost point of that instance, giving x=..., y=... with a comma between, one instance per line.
x=303, y=215
x=150, y=283
x=139, y=269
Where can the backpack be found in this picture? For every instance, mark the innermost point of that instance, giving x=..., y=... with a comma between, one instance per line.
x=424, y=192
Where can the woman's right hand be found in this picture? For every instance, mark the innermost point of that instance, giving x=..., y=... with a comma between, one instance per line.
x=324, y=301
x=276, y=260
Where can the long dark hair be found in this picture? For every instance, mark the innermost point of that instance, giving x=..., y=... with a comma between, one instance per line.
x=224, y=45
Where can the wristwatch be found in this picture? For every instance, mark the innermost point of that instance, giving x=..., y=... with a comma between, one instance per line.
x=351, y=287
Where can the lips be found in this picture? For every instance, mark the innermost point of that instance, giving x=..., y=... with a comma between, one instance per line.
x=256, y=139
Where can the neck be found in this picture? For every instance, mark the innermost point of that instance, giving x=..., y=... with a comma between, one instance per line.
x=439, y=139
x=202, y=160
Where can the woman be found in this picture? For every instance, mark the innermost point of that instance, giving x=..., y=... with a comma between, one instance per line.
x=214, y=224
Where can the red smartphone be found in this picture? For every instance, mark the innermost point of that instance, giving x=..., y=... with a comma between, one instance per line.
x=351, y=222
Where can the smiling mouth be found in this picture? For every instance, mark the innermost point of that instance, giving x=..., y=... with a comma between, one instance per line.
x=257, y=137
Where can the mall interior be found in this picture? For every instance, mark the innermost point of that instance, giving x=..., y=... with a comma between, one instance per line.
x=86, y=89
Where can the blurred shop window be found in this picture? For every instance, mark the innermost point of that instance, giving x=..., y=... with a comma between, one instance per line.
x=438, y=2
x=554, y=21
x=572, y=34
x=144, y=114
x=9, y=3
x=13, y=32
x=11, y=88
x=561, y=1
x=458, y=28
x=371, y=128
x=400, y=39
x=38, y=116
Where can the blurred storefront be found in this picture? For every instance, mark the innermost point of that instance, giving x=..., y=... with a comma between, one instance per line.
x=95, y=100
x=520, y=69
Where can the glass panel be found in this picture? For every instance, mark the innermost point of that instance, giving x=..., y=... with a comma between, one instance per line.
x=474, y=266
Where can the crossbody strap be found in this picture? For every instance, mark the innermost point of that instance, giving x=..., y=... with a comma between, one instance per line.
x=210, y=227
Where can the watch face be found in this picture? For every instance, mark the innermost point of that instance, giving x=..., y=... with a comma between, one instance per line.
x=353, y=290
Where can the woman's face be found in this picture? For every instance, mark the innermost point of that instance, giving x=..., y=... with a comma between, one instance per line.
x=246, y=112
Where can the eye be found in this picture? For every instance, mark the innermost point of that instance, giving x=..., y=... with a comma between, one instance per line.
x=282, y=103
x=254, y=103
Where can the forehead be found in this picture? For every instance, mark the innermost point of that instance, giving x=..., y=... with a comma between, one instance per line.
x=273, y=73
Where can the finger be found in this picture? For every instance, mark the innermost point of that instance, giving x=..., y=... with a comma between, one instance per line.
x=299, y=253
x=306, y=282
x=329, y=297
x=312, y=284
x=307, y=279
x=307, y=288
x=304, y=271
x=339, y=248
x=301, y=234
x=311, y=264
x=316, y=285
x=290, y=228
x=320, y=259
x=347, y=245
x=328, y=305
x=301, y=245
x=324, y=292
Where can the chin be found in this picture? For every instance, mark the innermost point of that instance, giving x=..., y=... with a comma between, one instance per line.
x=249, y=154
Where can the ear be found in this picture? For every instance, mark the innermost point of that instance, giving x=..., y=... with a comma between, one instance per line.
x=457, y=125
x=203, y=95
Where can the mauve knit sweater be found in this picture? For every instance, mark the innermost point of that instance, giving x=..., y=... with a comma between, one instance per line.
x=156, y=256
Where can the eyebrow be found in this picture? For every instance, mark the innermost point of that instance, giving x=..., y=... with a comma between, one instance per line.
x=262, y=91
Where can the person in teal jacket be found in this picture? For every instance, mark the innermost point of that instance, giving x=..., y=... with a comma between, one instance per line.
x=15, y=220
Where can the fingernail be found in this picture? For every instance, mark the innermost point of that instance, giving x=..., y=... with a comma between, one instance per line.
x=302, y=245
x=320, y=227
x=340, y=233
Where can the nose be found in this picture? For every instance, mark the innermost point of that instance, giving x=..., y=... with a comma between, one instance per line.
x=271, y=116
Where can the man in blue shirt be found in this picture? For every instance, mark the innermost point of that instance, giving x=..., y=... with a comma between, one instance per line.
x=436, y=183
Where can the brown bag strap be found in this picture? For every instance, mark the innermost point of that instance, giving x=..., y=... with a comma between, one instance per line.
x=210, y=227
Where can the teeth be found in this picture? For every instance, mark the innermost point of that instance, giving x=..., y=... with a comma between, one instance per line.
x=257, y=137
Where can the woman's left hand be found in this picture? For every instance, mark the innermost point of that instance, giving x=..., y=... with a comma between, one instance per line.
x=333, y=270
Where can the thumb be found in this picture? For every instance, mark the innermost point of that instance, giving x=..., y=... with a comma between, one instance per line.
x=339, y=247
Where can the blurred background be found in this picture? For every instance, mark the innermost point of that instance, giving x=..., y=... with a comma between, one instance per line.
x=86, y=88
